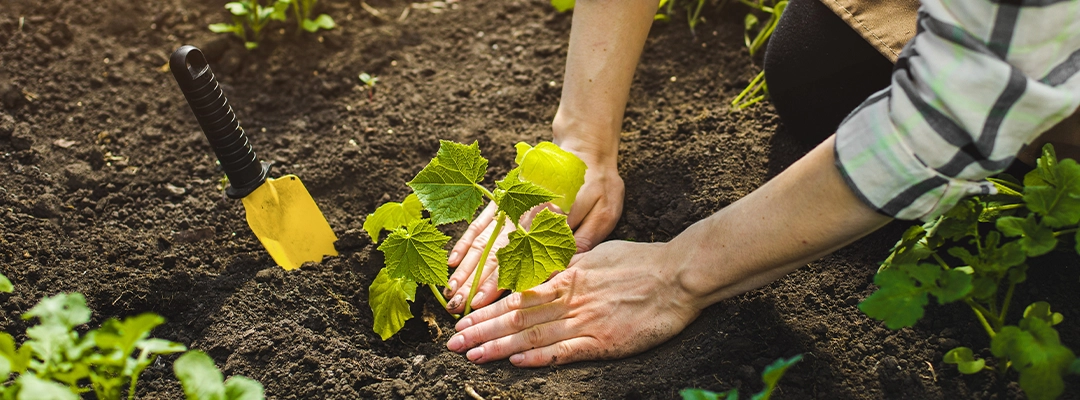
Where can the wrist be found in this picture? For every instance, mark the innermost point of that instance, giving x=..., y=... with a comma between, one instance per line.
x=595, y=143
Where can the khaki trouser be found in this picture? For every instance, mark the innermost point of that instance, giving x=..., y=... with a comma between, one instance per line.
x=885, y=24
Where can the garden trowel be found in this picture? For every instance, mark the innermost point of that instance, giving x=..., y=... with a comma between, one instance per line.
x=280, y=211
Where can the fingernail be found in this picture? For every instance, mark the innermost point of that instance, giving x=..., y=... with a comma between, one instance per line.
x=476, y=354
x=456, y=343
x=453, y=256
x=450, y=288
x=517, y=358
x=479, y=296
x=463, y=324
x=454, y=303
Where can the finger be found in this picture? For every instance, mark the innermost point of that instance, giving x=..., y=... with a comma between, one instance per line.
x=545, y=293
x=563, y=352
x=489, y=289
x=595, y=227
x=531, y=337
x=510, y=324
x=475, y=228
x=462, y=276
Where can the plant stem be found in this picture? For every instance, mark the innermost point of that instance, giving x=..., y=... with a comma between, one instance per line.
x=1008, y=299
x=1003, y=207
x=501, y=217
x=442, y=300
x=487, y=193
x=754, y=87
x=1063, y=232
x=941, y=261
x=982, y=319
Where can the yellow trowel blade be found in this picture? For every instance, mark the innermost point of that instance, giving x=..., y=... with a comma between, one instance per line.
x=289, y=224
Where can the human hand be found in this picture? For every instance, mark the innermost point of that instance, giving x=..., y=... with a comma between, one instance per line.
x=596, y=210
x=617, y=300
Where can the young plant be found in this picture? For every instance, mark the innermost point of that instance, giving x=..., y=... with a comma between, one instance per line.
x=757, y=90
x=967, y=255
x=57, y=363
x=771, y=376
x=302, y=11
x=251, y=14
x=369, y=81
x=449, y=189
x=202, y=380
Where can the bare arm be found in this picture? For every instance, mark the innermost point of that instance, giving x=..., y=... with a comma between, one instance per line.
x=623, y=298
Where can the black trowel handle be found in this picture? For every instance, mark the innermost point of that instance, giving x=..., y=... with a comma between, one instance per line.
x=218, y=122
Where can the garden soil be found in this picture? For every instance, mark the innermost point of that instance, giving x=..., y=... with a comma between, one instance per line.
x=108, y=188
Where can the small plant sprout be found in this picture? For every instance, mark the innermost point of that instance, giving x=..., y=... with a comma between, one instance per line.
x=757, y=90
x=771, y=376
x=449, y=189
x=302, y=11
x=251, y=14
x=969, y=255
x=369, y=81
x=202, y=380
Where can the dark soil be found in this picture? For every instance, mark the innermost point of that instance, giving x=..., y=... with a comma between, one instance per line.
x=108, y=188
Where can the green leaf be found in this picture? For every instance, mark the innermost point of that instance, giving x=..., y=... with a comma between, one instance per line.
x=1035, y=351
x=909, y=249
x=65, y=309
x=562, y=5
x=323, y=21
x=199, y=376
x=393, y=215
x=952, y=285
x=237, y=8
x=531, y=257
x=1056, y=202
x=243, y=388
x=5, y=285
x=965, y=360
x=1017, y=274
x=960, y=221
x=1041, y=310
x=226, y=28
x=993, y=259
x=1074, y=368
x=516, y=197
x=416, y=253
x=123, y=336
x=702, y=394
x=898, y=302
x=280, y=7
x=160, y=346
x=33, y=388
x=1036, y=239
x=388, y=298
x=447, y=186
x=18, y=357
x=772, y=374
x=983, y=287
x=1043, y=175
x=555, y=169
x=251, y=45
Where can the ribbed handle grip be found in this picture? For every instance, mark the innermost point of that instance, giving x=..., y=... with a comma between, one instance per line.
x=218, y=122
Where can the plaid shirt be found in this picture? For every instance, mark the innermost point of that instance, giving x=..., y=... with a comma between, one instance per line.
x=980, y=79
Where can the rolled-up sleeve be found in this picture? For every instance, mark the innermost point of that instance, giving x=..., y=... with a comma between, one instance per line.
x=979, y=80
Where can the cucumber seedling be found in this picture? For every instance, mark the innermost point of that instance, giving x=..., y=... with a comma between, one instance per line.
x=757, y=90
x=369, y=81
x=449, y=189
x=251, y=14
x=969, y=255
x=770, y=376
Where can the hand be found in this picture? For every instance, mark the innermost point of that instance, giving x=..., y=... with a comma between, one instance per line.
x=617, y=300
x=596, y=209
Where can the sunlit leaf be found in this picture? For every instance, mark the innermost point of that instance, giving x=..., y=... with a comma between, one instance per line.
x=531, y=257
x=416, y=253
x=393, y=215
x=388, y=298
x=555, y=169
x=447, y=186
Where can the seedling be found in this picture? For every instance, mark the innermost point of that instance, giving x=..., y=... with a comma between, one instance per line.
x=771, y=376
x=202, y=380
x=57, y=363
x=302, y=11
x=251, y=14
x=757, y=90
x=967, y=255
x=369, y=81
x=449, y=189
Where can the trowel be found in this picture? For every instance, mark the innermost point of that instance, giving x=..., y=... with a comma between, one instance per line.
x=280, y=211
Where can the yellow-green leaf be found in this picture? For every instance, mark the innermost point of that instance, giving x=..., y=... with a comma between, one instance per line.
x=393, y=215
x=416, y=253
x=531, y=257
x=555, y=169
x=388, y=298
x=447, y=186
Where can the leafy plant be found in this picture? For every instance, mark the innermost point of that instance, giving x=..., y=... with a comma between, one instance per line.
x=449, y=189
x=251, y=14
x=968, y=255
x=202, y=380
x=302, y=11
x=757, y=90
x=771, y=376
x=369, y=81
x=56, y=363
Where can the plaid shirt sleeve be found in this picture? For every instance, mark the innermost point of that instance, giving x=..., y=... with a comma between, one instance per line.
x=980, y=79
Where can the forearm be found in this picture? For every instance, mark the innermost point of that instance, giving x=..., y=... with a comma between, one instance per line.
x=802, y=214
x=606, y=41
